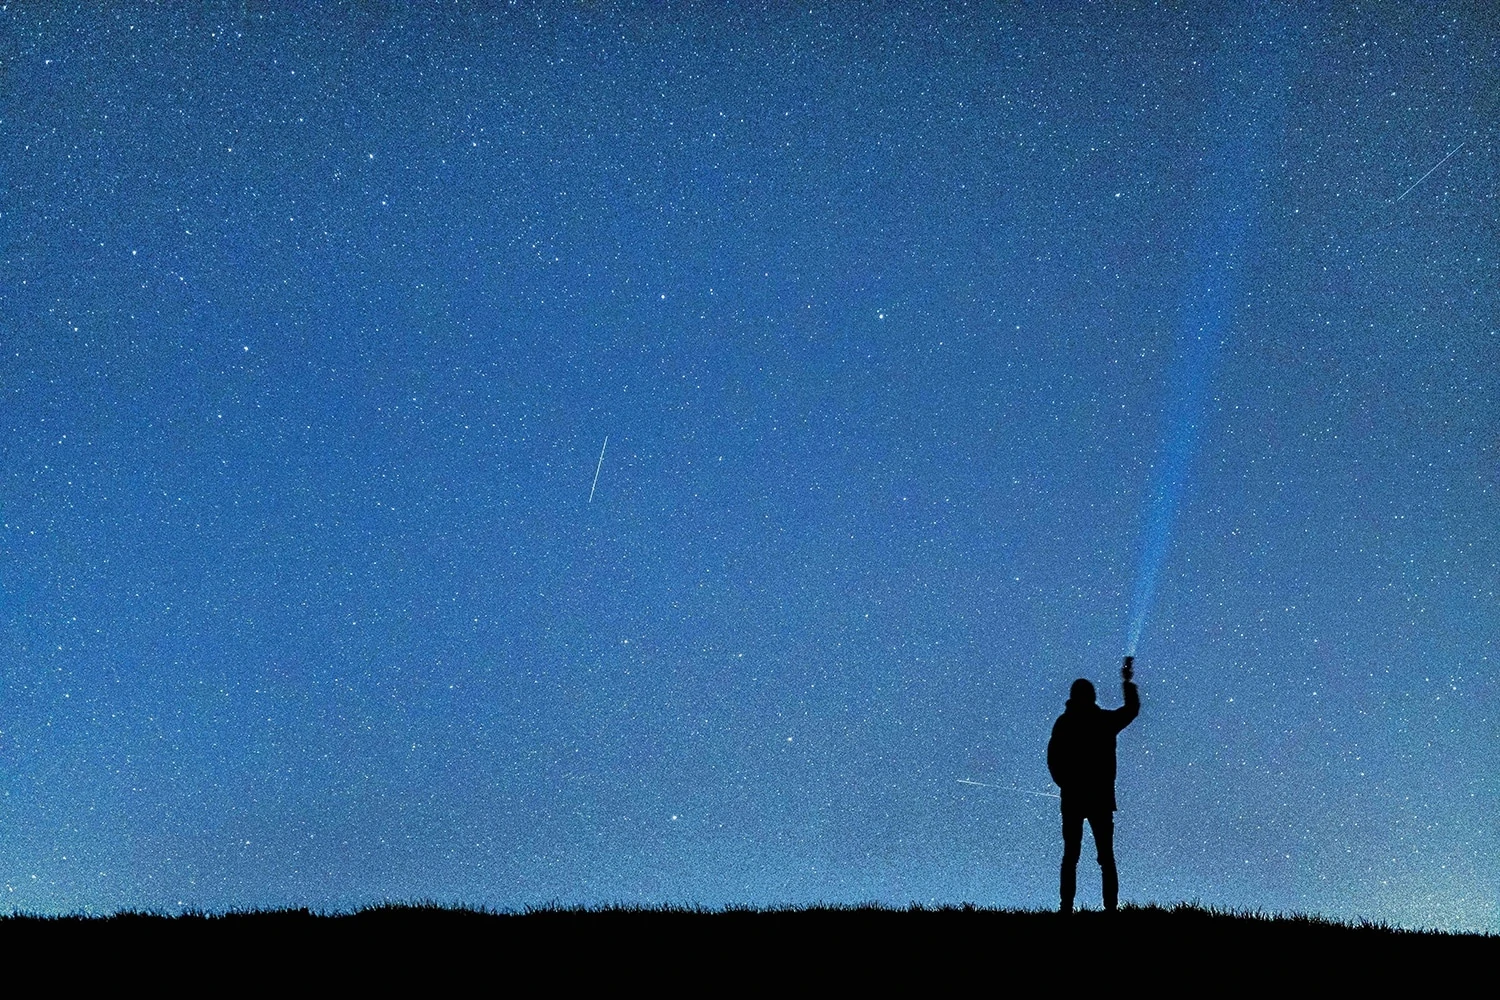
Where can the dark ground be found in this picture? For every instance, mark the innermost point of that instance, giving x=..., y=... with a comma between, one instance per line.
x=1183, y=947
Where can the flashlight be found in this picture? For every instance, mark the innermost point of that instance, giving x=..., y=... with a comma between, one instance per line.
x=1128, y=670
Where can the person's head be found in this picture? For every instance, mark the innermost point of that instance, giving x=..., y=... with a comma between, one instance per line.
x=1082, y=693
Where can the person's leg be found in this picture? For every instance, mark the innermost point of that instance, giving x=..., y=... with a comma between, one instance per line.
x=1104, y=839
x=1072, y=847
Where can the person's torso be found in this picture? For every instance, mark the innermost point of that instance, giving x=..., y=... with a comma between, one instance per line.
x=1088, y=745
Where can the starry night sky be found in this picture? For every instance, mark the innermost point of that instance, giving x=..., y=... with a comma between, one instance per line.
x=313, y=323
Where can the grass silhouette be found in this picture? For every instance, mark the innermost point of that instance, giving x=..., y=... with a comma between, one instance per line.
x=791, y=948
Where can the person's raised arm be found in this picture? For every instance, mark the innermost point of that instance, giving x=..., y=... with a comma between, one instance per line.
x=1125, y=715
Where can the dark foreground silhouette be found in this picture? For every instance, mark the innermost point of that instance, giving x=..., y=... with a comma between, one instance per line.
x=1081, y=758
x=697, y=950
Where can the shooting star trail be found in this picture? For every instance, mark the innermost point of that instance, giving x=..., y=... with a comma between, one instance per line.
x=1008, y=788
x=597, y=468
x=1439, y=163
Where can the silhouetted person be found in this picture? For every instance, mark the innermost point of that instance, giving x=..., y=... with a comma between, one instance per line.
x=1081, y=757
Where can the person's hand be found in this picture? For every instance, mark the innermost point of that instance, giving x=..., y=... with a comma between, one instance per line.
x=1128, y=670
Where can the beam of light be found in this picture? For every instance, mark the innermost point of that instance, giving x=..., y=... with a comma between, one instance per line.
x=1009, y=788
x=597, y=468
x=1252, y=63
x=1229, y=181
x=1183, y=426
x=1204, y=322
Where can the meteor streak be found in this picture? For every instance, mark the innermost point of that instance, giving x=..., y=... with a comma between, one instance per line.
x=1008, y=788
x=1439, y=163
x=597, y=468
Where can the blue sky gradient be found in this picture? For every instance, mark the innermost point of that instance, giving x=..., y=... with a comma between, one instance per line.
x=313, y=327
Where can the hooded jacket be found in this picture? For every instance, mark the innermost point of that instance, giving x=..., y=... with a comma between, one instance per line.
x=1081, y=753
